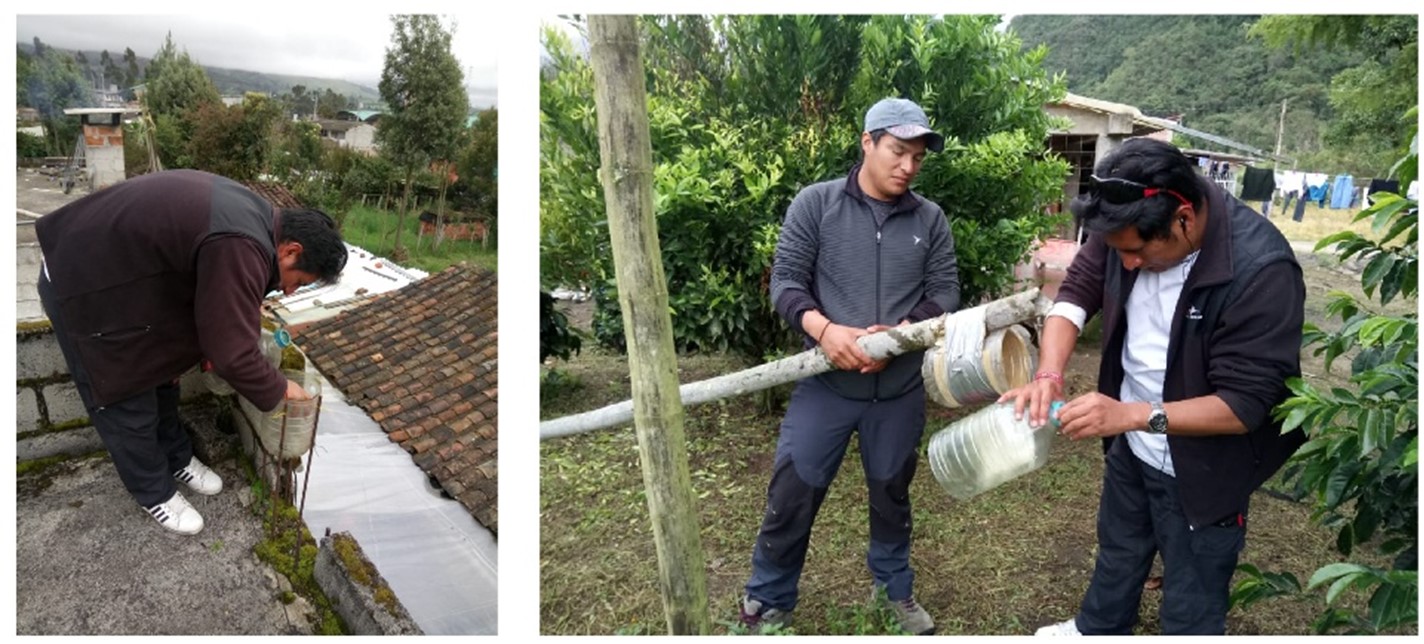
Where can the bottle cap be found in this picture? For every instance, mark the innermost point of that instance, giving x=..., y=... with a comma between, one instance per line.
x=282, y=338
x=1053, y=413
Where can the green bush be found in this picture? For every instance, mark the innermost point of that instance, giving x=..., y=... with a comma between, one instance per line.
x=738, y=129
x=1360, y=465
x=28, y=146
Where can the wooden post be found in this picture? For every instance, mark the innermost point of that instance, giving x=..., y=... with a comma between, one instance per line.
x=625, y=149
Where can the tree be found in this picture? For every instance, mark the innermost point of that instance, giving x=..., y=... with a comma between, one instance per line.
x=330, y=103
x=479, y=161
x=727, y=166
x=424, y=91
x=234, y=142
x=131, y=72
x=1368, y=97
x=113, y=74
x=175, y=83
x=176, y=88
x=51, y=82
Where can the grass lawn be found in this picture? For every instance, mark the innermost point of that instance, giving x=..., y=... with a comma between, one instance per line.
x=1006, y=562
x=1316, y=223
x=374, y=230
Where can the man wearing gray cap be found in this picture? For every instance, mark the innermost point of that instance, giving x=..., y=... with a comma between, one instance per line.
x=855, y=255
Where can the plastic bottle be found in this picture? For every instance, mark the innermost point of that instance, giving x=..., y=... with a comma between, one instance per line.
x=273, y=343
x=988, y=448
x=211, y=380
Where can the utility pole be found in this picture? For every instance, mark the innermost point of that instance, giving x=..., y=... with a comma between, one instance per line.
x=1281, y=128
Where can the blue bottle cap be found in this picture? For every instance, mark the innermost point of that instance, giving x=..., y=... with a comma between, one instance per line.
x=283, y=338
x=1053, y=413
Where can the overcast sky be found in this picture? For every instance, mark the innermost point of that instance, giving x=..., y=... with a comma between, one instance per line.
x=349, y=44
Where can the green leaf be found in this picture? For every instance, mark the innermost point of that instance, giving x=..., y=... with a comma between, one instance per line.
x=1386, y=206
x=1341, y=585
x=1329, y=572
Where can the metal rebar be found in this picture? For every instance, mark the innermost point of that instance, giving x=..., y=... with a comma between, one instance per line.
x=306, y=480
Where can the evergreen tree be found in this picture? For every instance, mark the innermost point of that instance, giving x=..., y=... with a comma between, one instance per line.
x=424, y=91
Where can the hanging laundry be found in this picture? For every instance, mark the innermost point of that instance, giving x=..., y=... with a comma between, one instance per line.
x=1343, y=192
x=1318, y=193
x=1383, y=185
x=1300, y=208
x=1258, y=184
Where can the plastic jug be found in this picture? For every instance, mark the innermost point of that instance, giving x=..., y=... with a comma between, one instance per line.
x=988, y=448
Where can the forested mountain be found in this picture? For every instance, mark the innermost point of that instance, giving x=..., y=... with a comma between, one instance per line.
x=1224, y=80
x=230, y=82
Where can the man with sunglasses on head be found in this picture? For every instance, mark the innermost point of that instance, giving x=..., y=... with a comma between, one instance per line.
x=145, y=278
x=855, y=256
x=1203, y=304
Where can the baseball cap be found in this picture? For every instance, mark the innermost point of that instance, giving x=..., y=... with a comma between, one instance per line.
x=903, y=119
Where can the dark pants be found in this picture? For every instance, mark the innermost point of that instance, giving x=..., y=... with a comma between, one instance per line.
x=142, y=432
x=1139, y=515
x=814, y=436
x=1300, y=209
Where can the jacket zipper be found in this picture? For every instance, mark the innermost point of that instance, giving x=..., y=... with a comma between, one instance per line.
x=142, y=329
x=875, y=395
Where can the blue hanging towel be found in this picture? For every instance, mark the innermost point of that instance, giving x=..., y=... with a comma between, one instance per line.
x=1343, y=192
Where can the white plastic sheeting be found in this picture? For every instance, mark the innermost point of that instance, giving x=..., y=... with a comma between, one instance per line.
x=365, y=276
x=441, y=563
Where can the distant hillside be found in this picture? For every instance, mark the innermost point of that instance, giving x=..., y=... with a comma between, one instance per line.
x=236, y=81
x=1202, y=67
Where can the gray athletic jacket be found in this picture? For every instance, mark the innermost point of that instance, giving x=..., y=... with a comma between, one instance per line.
x=834, y=256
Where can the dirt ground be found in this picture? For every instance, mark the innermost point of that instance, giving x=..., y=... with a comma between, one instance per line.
x=1005, y=562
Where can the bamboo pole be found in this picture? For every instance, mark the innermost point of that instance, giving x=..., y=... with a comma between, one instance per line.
x=625, y=149
x=1000, y=313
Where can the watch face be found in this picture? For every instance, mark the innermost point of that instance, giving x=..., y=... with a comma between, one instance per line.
x=1157, y=422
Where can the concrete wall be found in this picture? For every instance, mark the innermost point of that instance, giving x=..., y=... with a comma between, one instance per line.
x=361, y=138
x=357, y=591
x=51, y=418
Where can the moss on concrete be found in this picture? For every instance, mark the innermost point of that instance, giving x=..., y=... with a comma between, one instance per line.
x=34, y=476
x=32, y=328
x=364, y=572
x=283, y=530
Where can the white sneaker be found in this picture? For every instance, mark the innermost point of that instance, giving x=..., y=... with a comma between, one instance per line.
x=1067, y=628
x=199, y=478
x=176, y=515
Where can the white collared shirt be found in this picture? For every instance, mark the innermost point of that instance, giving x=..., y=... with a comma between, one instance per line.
x=1150, y=308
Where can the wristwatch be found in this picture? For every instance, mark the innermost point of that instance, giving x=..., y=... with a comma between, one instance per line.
x=1157, y=420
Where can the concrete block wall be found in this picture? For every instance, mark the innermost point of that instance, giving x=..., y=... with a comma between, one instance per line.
x=50, y=417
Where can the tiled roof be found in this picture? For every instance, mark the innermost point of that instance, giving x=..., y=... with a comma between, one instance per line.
x=423, y=363
x=275, y=194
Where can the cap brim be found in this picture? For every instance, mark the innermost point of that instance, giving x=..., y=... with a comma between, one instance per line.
x=933, y=141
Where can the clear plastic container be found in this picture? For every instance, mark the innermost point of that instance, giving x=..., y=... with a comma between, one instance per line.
x=299, y=417
x=988, y=448
x=270, y=343
x=211, y=380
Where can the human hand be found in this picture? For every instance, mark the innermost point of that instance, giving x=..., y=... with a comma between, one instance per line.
x=838, y=343
x=876, y=366
x=1097, y=416
x=1034, y=398
x=296, y=392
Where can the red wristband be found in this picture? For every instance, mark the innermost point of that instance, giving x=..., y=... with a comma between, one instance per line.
x=1049, y=375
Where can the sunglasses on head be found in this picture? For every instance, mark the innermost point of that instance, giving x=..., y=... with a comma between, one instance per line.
x=1123, y=191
